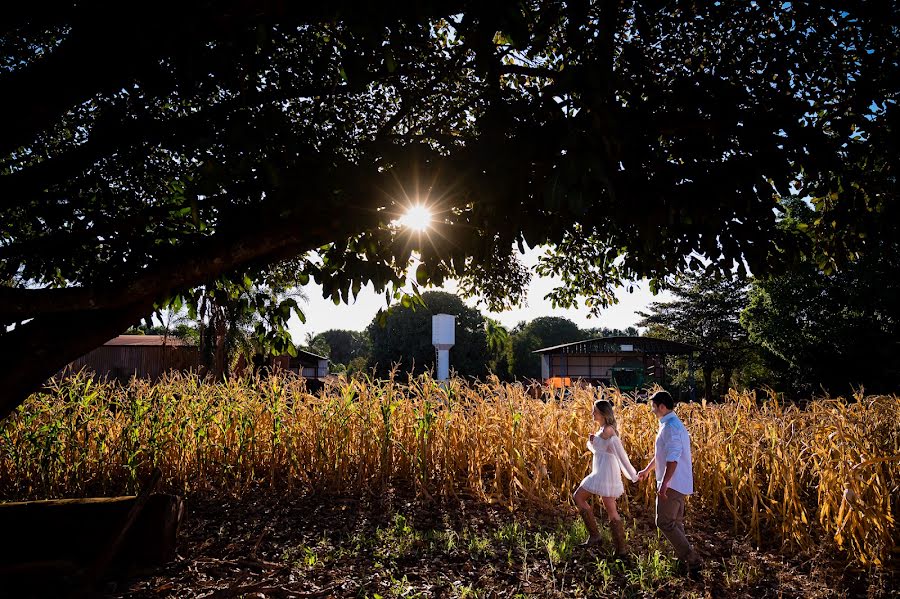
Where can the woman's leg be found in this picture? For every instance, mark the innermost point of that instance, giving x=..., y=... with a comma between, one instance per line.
x=609, y=504
x=587, y=514
x=615, y=525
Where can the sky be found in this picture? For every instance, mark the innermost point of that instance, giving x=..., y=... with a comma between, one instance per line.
x=322, y=314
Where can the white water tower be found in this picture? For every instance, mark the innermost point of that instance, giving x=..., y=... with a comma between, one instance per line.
x=443, y=337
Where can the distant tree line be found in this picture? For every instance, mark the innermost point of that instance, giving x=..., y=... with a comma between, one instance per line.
x=402, y=340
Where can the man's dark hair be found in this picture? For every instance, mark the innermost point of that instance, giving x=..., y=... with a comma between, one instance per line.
x=664, y=398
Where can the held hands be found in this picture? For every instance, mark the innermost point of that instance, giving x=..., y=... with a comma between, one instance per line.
x=643, y=474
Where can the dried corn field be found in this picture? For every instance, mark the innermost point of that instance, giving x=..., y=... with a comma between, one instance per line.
x=827, y=470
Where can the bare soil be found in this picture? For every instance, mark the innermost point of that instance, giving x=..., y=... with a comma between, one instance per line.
x=263, y=544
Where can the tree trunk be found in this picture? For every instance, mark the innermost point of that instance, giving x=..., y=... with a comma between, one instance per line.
x=726, y=381
x=38, y=349
x=707, y=382
x=219, y=370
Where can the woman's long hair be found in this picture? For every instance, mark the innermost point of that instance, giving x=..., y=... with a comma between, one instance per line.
x=606, y=410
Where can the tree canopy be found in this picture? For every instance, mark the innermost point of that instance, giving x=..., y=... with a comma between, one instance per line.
x=145, y=158
x=705, y=312
x=836, y=330
x=800, y=331
x=345, y=346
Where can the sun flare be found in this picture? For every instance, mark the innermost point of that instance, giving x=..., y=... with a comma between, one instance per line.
x=417, y=218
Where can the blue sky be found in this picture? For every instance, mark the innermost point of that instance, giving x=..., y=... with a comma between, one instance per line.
x=322, y=314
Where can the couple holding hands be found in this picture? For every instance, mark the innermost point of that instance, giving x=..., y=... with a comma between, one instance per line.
x=674, y=477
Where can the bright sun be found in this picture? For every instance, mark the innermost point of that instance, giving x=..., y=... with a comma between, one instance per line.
x=417, y=218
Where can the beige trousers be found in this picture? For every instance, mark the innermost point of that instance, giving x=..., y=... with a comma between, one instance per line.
x=670, y=520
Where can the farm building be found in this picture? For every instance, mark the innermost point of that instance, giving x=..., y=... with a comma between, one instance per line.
x=149, y=356
x=306, y=364
x=625, y=362
x=143, y=356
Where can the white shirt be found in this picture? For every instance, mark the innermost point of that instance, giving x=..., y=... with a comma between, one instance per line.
x=673, y=444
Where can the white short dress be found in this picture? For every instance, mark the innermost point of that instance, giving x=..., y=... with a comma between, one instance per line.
x=610, y=461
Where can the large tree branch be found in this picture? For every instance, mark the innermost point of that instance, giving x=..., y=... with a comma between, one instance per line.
x=39, y=349
x=282, y=228
x=216, y=255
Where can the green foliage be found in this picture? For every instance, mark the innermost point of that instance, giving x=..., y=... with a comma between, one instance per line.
x=245, y=318
x=404, y=338
x=317, y=344
x=357, y=366
x=499, y=344
x=184, y=331
x=705, y=313
x=834, y=330
x=597, y=332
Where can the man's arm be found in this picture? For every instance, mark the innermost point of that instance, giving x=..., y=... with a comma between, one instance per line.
x=670, y=472
x=645, y=472
x=672, y=447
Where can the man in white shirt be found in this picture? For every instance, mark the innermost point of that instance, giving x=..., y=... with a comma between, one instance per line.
x=674, y=477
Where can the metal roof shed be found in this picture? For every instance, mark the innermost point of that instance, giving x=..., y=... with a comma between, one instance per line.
x=627, y=362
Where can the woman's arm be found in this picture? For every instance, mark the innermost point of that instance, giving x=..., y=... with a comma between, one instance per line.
x=624, y=462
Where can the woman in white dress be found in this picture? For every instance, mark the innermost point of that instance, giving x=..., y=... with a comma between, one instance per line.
x=605, y=479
